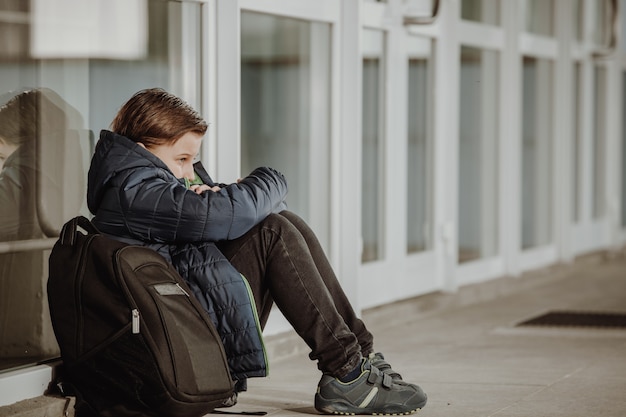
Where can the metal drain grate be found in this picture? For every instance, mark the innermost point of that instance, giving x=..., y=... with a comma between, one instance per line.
x=577, y=319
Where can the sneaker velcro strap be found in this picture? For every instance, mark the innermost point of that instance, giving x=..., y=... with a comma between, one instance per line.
x=376, y=375
x=378, y=360
x=387, y=381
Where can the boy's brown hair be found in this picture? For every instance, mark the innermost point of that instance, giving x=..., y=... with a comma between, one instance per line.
x=155, y=117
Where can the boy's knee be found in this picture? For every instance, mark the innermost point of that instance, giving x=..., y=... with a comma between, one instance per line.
x=276, y=219
x=279, y=224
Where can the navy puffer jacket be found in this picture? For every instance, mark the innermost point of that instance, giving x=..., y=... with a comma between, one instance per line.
x=137, y=199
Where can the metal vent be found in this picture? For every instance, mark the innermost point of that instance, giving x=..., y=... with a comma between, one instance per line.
x=578, y=319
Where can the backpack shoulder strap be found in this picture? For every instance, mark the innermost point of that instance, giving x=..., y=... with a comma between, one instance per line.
x=68, y=233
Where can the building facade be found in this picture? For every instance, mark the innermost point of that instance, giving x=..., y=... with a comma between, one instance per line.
x=430, y=144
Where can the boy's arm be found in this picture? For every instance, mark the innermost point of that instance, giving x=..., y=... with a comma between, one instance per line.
x=162, y=211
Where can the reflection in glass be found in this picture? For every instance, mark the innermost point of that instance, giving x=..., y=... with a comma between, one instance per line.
x=483, y=11
x=478, y=154
x=599, y=141
x=41, y=185
x=372, y=169
x=285, y=109
x=540, y=17
x=76, y=98
x=537, y=152
x=419, y=167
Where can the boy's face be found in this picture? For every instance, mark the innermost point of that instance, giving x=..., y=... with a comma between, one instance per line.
x=6, y=149
x=179, y=157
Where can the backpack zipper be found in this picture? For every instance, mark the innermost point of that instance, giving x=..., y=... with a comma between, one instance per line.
x=135, y=320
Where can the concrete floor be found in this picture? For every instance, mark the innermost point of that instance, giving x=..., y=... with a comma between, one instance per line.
x=465, y=351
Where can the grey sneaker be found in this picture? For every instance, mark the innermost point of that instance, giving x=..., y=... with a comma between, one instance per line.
x=371, y=393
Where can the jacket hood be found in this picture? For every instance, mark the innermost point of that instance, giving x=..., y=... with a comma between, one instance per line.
x=113, y=155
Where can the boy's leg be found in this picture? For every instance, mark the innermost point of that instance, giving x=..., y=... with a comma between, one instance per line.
x=283, y=260
x=275, y=259
x=344, y=307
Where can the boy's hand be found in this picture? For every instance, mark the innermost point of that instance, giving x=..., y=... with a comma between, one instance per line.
x=199, y=189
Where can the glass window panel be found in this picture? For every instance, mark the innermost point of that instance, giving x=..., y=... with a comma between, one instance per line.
x=372, y=175
x=69, y=102
x=419, y=163
x=621, y=31
x=577, y=116
x=537, y=152
x=483, y=11
x=624, y=149
x=577, y=19
x=540, y=17
x=599, y=141
x=163, y=66
x=478, y=154
x=285, y=102
x=602, y=25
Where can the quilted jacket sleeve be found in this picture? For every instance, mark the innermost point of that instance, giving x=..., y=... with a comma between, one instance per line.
x=157, y=209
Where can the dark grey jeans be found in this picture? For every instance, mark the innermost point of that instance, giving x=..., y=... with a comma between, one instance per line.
x=284, y=263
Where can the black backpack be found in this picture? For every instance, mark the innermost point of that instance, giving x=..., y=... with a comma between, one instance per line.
x=132, y=339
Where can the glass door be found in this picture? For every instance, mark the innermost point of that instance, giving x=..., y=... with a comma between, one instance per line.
x=398, y=157
x=420, y=246
x=478, y=155
x=537, y=174
x=590, y=222
x=481, y=176
x=373, y=147
x=419, y=146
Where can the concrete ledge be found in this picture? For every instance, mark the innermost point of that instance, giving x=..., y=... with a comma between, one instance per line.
x=44, y=406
